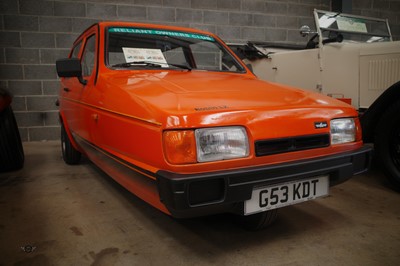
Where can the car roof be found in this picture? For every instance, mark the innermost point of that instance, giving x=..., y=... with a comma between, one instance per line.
x=105, y=24
x=151, y=25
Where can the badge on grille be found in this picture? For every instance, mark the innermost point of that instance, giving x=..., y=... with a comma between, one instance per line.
x=319, y=125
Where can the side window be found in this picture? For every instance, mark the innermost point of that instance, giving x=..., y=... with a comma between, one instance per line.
x=88, y=57
x=75, y=50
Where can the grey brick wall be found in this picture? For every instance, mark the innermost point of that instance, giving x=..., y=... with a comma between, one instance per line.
x=389, y=9
x=34, y=33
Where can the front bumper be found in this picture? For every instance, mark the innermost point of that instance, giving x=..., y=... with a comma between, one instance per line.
x=190, y=195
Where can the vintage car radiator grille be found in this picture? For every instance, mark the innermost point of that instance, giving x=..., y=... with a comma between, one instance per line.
x=274, y=146
x=383, y=73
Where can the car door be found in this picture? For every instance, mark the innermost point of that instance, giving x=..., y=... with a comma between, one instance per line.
x=70, y=92
x=75, y=92
x=89, y=72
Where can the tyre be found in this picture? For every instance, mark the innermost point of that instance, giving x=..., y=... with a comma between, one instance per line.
x=69, y=153
x=387, y=144
x=258, y=221
x=11, y=151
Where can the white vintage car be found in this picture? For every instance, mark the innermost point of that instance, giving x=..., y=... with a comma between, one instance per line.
x=349, y=57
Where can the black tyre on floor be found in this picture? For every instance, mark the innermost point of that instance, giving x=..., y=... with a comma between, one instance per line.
x=258, y=221
x=69, y=153
x=387, y=143
x=11, y=151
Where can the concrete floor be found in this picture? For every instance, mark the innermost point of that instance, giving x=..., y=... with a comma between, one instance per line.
x=77, y=215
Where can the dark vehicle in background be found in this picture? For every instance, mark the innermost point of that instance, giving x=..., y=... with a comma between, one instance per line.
x=11, y=150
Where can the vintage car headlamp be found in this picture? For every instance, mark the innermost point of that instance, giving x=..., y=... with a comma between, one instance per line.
x=343, y=130
x=221, y=143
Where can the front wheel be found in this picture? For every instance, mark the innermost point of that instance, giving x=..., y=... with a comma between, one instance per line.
x=258, y=221
x=69, y=153
x=387, y=143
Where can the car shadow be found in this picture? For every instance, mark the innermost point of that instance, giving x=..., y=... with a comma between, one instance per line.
x=220, y=232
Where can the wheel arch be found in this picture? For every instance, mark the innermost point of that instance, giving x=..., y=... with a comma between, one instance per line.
x=68, y=131
x=370, y=119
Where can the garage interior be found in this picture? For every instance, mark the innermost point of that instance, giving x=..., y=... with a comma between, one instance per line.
x=56, y=214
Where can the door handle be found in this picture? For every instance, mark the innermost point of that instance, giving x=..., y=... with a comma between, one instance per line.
x=67, y=89
x=95, y=117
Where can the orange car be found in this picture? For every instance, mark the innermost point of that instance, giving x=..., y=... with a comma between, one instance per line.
x=176, y=118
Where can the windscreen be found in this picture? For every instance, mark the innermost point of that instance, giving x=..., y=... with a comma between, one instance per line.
x=353, y=28
x=152, y=48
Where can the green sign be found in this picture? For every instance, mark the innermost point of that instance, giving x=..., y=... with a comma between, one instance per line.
x=163, y=32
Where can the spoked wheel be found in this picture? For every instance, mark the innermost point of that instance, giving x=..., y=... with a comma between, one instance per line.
x=258, y=221
x=69, y=153
x=387, y=144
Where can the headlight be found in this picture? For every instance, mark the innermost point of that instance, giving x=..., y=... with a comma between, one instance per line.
x=205, y=145
x=221, y=143
x=343, y=130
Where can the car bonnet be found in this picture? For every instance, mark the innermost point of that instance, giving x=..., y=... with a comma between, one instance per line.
x=194, y=95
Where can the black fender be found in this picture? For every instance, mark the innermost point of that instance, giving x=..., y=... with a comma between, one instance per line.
x=370, y=119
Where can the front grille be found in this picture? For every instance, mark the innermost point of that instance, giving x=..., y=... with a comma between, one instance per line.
x=274, y=146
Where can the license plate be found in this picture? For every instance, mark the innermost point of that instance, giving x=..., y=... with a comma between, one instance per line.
x=280, y=195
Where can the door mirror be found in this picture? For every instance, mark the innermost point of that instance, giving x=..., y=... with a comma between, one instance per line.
x=70, y=67
x=306, y=30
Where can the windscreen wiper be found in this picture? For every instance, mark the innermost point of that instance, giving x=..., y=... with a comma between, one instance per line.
x=139, y=63
x=181, y=66
x=150, y=64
